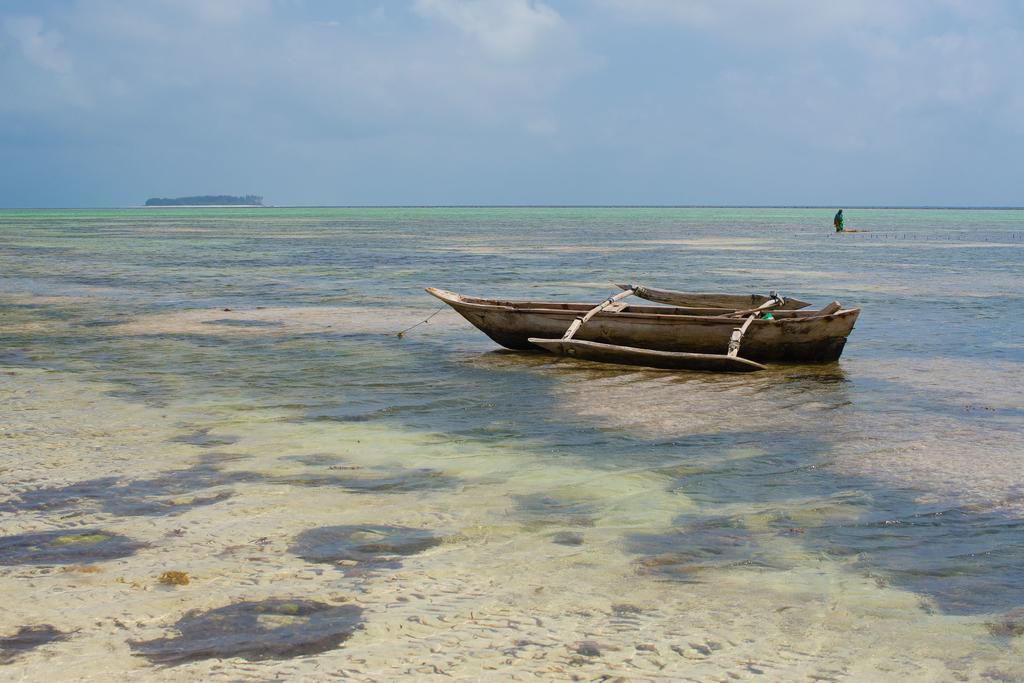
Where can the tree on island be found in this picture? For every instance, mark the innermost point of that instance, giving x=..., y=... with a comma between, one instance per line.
x=207, y=200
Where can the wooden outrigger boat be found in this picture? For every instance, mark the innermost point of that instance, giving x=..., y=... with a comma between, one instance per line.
x=700, y=337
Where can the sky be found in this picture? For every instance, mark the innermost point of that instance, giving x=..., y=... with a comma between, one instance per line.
x=450, y=102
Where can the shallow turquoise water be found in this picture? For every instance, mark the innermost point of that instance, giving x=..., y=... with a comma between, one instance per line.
x=901, y=463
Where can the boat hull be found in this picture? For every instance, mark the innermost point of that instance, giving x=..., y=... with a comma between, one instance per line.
x=803, y=338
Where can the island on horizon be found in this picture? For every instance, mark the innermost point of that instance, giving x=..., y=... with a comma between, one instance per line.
x=207, y=200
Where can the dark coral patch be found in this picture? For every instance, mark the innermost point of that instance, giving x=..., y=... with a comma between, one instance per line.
x=65, y=547
x=363, y=546
x=315, y=459
x=234, y=322
x=195, y=478
x=130, y=507
x=968, y=561
x=567, y=538
x=60, y=497
x=169, y=493
x=203, y=439
x=682, y=553
x=1009, y=625
x=364, y=481
x=176, y=491
x=28, y=638
x=267, y=629
x=401, y=482
x=540, y=511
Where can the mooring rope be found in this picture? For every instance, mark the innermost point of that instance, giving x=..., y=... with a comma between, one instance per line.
x=427, y=319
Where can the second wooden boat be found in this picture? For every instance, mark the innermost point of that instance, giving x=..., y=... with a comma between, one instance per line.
x=732, y=302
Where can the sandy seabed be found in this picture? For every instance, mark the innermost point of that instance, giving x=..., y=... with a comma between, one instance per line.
x=500, y=595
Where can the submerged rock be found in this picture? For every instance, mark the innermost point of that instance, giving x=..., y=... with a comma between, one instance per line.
x=65, y=547
x=267, y=629
x=28, y=638
x=369, y=546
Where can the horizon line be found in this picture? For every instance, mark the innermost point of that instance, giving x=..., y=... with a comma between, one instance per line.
x=518, y=206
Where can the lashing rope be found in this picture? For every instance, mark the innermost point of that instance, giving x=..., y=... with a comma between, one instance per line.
x=427, y=319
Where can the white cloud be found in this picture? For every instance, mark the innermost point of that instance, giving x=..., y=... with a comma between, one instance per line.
x=41, y=47
x=506, y=29
x=253, y=68
x=714, y=85
x=855, y=66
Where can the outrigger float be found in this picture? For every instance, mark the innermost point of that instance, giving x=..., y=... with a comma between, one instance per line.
x=691, y=333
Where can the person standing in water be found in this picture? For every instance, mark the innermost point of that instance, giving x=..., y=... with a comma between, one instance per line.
x=838, y=220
